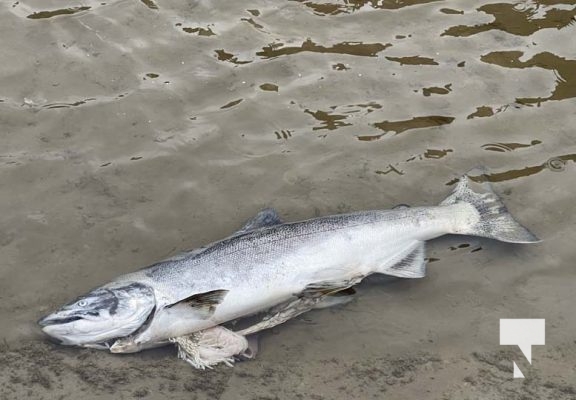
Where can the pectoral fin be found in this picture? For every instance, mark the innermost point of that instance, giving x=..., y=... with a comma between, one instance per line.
x=411, y=266
x=204, y=304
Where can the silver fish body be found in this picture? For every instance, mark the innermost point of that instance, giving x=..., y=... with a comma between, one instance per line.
x=271, y=265
x=268, y=265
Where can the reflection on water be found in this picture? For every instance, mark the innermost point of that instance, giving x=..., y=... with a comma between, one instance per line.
x=224, y=56
x=150, y=4
x=429, y=154
x=433, y=153
x=482, y=111
x=451, y=11
x=55, y=13
x=564, y=70
x=414, y=123
x=330, y=121
x=413, y=60
x=269, y=87
x=252, y=22
x=381, y=85
x=231, y=104
x=350, y=48
x=524, y=18
x=199, y=31
x=504, y=147
x=554, y=164
x=348, y=6
x=437, y=90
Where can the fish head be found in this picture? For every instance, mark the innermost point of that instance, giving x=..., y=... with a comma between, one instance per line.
x=108, y=312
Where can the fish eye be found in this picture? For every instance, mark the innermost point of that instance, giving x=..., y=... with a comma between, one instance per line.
x=82, y=303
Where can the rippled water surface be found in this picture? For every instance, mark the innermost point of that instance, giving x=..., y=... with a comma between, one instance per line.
x=131, y=130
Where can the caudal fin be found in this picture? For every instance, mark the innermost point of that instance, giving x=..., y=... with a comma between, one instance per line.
x=495, y=220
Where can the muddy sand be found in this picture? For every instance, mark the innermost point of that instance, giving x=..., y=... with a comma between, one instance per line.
x=132, y=130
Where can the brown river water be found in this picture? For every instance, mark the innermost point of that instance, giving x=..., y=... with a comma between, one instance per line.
x=131, y=130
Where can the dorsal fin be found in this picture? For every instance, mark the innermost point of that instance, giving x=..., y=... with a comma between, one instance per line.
x=264, y=218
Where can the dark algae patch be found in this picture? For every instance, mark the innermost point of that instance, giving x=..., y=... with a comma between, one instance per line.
x=56, y=13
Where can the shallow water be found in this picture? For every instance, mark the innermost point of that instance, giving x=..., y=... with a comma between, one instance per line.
x=132, y=130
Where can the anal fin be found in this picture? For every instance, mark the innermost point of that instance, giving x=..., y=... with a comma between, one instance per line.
x=411, y=266
x=324, y=288
x=336, y=299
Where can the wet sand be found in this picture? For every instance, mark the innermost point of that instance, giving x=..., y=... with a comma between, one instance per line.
x=132, y=130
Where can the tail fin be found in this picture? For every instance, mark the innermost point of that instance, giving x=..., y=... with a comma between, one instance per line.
x=495, y=220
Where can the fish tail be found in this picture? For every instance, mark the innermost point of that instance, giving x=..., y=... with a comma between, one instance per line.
x=493, y=219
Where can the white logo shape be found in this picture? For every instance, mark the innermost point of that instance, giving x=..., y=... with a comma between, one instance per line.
x=523, y=333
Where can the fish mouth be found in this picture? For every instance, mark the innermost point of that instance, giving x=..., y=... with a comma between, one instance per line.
x=64, y=317
x=49, y=320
